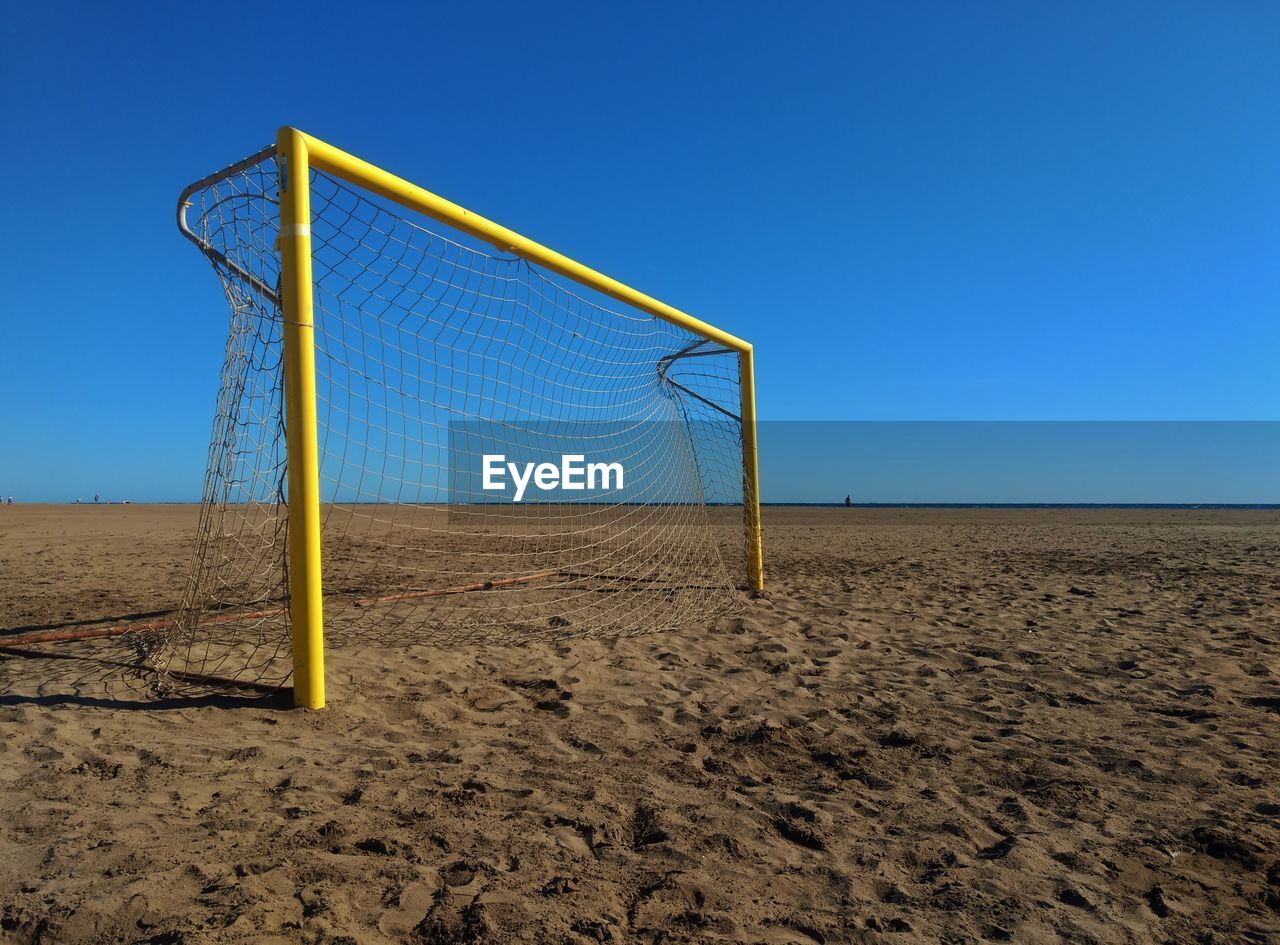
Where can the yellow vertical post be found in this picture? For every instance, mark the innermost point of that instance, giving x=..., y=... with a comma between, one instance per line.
x=305, y=600
x=751, y=470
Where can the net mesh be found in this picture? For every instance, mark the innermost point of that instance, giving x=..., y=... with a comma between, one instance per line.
x=432, y=352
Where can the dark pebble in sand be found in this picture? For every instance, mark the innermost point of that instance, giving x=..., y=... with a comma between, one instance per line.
x=558, y=886
x=1156, y=902
x=998, y=850
x=801, y=836
x=896, y=739
x=459, y=874
x=1073, y=897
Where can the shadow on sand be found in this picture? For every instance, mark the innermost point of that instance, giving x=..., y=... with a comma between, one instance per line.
x=103, y=674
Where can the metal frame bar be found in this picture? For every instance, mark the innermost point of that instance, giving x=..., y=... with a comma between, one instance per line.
x=306, y=602
x=691, y=352
x=184, y=202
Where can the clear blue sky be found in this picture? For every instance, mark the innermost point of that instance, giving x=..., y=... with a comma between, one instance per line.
x=914, y=210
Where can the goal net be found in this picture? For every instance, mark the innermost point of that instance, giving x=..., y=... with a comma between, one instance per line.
x=433, y=351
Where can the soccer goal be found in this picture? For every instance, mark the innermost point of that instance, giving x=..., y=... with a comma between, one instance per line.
x=401, y=379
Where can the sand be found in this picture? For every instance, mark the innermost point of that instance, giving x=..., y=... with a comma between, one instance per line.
x=939, y=726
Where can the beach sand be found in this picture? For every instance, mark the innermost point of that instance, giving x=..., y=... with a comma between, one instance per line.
x=938, y=726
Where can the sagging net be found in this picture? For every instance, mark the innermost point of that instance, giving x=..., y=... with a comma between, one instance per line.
x=432, y=353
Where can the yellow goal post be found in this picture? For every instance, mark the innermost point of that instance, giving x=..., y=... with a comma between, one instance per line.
x=297, y=156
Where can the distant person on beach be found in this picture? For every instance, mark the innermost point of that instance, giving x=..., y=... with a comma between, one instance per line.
x=848, y=502
x=95, y=498
x=10, y=502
